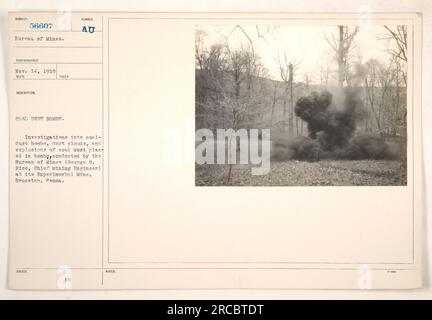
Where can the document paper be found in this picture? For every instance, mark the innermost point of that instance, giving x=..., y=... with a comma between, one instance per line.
x=215, y=150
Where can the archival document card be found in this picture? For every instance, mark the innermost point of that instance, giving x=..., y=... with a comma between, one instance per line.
x=215, y=150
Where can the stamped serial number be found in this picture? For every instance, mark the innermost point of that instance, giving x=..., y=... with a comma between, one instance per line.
x=41, y=25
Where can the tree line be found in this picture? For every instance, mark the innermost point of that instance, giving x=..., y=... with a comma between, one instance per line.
x=234, y=89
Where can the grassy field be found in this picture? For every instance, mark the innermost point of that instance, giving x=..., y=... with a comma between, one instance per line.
x=300, y=173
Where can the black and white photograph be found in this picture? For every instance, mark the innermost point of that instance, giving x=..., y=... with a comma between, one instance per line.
x=239, y=152
x=290, y=105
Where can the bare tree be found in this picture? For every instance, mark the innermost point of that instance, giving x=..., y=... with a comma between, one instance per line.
x=399, y=37
x=210, y=74
x=287, y=69
x=382, y=94
x=274, y=101
x=342, y=45
x=228, y=85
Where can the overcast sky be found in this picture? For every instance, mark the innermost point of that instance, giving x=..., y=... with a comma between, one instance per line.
x=301, y=43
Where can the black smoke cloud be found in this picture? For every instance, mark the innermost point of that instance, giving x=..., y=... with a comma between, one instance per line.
x=334, y=126
x=331, y=131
